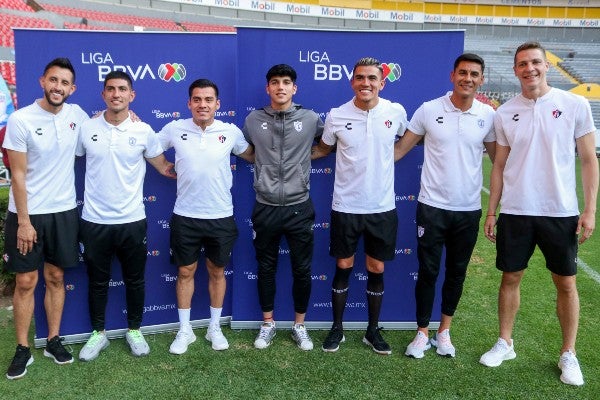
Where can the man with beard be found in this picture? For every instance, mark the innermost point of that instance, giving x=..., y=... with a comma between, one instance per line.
x=42, y=220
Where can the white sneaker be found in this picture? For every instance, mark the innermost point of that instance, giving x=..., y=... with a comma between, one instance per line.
x=571, y=373
x=184, y=338
x=300, y=336
x=95, y=344
x=418, y=346
x=441, y=340
x=216, y=337
x=265, y=336
x=500, y=352
x=137, y=343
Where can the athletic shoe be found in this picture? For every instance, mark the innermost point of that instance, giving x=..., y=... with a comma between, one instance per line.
x=418, y=346
x=137, y=343
x=216, y=337
x=441, y=340
x=55, y=350
x=95, y=344
x=500, y=352
x=20, y=362
x=184, y=338
x=331, y=344
x=571, y=373
x=265, y=336
x=374, y=339
x=300, y=336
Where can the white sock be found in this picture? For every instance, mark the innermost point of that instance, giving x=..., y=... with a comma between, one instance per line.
x=184, y=317
x=215, y=316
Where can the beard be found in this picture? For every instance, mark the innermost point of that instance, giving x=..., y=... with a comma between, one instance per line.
x=48, y=96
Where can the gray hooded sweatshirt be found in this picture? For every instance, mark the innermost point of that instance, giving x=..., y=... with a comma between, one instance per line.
x=282, y=142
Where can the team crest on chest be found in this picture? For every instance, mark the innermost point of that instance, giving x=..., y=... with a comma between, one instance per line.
x=480, y=123
x=388, y=124
x=298, y=126
x=132, y=141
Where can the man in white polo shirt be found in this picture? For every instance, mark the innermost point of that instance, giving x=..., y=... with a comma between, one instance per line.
x=365, y=130
x=203, y=212
x=42, y=219
x=113, y=220
x=534, y=179
x=456, y=128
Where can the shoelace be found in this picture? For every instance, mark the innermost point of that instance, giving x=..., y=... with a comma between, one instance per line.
x=301, y=333
x=264, y=332
x=570, y=362
x=421, y=340
x=94, y=339
x=136, y=336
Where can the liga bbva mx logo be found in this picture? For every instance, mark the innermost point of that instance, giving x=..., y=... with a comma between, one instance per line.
x=391, y=71
x=171, y=71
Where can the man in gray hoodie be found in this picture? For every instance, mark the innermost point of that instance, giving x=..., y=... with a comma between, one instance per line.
x=283, y=134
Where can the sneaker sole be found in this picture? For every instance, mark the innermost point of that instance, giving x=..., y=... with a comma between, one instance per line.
x=417, y=356
x=451, y=354
x=186, y=347
x=510, y=356
x=382, y=352
x=50, y=355
x=13, y=377
x=335, y=349
x=217, y=348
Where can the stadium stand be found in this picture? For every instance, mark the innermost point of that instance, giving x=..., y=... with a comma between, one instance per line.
x=574, y=52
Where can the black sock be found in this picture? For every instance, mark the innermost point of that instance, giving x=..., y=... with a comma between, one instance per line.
x=374, y=297
x=339, y=294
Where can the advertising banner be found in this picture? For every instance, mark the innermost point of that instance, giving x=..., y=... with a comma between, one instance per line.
x=162, y=66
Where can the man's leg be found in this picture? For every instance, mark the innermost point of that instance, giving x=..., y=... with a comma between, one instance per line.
x=23, y=304
x=54, y=299
x=509, y=300
x=567, y=309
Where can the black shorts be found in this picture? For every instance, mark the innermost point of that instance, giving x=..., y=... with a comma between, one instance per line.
x=379, y=231
x=190, y=235
x=517, y=236
x=56, y=241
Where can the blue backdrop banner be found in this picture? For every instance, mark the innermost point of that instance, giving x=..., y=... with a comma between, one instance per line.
x=162, y=66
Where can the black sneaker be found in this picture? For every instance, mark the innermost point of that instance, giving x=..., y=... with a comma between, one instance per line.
x=331, y=344
x=55, y=350
x=374, y=339
x=20, y=362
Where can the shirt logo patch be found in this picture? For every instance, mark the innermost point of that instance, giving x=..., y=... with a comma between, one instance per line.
x=183, y=136
x=72, y=125
x=439, y=120
x=348, y=126
x=94, y=138
x=388, y=124
x=298, y=126
x=556, y=113
x=480, y=123
x=264, y=126
x=38, y=131
x=515, y=117
x=420, y=231
x=222, y=138
x=132, y=141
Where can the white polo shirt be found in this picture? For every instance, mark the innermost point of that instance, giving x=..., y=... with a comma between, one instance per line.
x=203, y=165
x=539, y=176
x=49, y=141
x=364, y=163
x=452, y=170
x=115, y=169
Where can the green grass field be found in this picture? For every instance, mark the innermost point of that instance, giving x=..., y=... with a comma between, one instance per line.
x=284, y=372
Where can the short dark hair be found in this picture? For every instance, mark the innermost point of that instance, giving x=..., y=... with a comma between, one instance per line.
x=471, y=57
x=118, y=75
x=201, y=84
x=281, y=70
x=529, y=46
x=368, y=62
x=61, y=62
